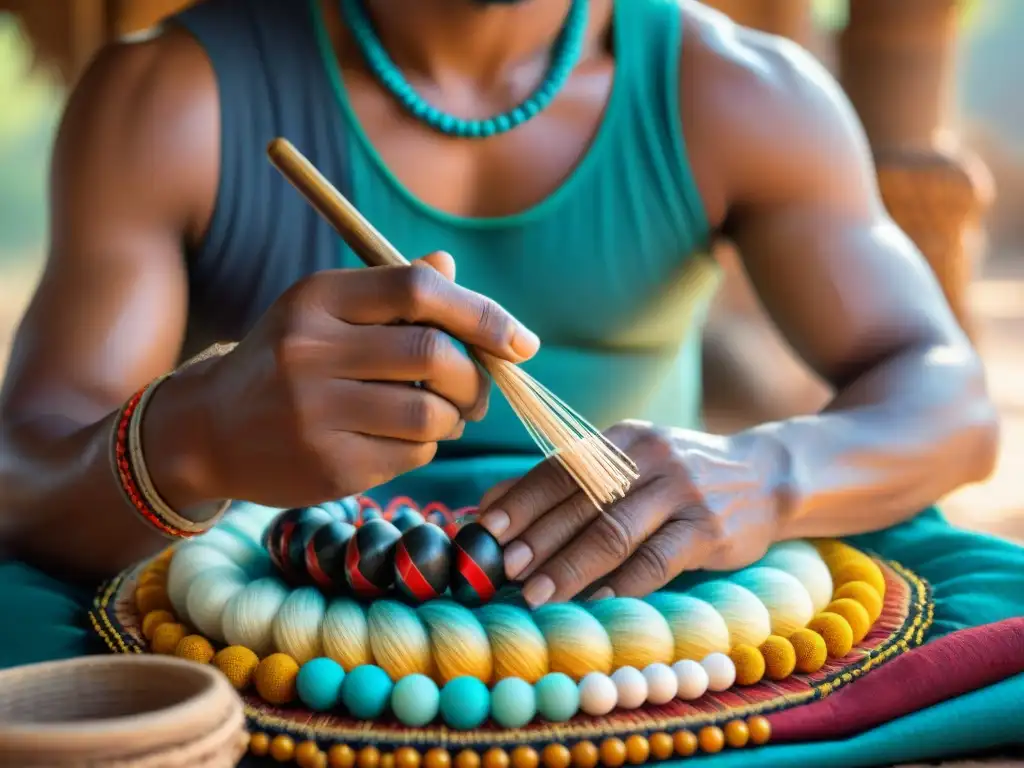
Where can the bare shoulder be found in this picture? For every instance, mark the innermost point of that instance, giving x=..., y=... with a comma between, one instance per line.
x=144, y=119
x=757, y=106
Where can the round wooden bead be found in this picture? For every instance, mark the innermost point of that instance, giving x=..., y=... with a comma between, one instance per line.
x=408, y=757
x=585, y=754
x=737, y=734
x=282, y=748
x=370, y=558
x=496, y=757
x=259, y=744
x=341, y=756
x=638, y=749
x=298, y=523
x=437, y=758
x=387, y=760
x=661, y=745
x=325, y=555
x=306, y=753
x=760, y=729
x=368, y=757
x=685, y=743
x=478, y=570
x=711, y=739
x=423, y=561
x=613, y=752
x=524, y=757
x=556, y=756
x=467, y=758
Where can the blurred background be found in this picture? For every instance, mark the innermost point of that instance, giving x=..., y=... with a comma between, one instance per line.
x=936, y=83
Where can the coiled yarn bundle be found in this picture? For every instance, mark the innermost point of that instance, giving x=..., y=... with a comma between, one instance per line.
x=223, y=584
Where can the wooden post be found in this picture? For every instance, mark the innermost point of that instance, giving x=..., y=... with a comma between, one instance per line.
x=896, y=65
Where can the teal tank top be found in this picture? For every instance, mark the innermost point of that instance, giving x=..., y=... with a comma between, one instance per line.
x=608, y=270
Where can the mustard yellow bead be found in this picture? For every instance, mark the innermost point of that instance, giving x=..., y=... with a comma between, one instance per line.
x=154, y=619
x=661, y=746
x=408, y=757
x=166, y=638
x=835, y=631
x=437, y=758
x=810, y=650
x=308, y=754
x=760, y=729
x=496, y=757
x=686, y=743
x=737, y=734
x=864, y=594
x=238, y=664
x=749, y=664
x=638, y=749
x=156, y=579
x=368, y=757
x=282, y=748
x=584, y=754
x=275, y=679
x=194, y=648
x=856, y=616
x=387, y=760
x=860, y=569
x=524, y=757
x=779, y=657
x=556, y=756
x=613, y=752
x=711, y=739
x=341, y=756
x=259, y=744
x=154, y=598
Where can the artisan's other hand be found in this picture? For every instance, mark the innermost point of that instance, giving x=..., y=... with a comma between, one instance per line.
x=697, y=504
x=316, y=402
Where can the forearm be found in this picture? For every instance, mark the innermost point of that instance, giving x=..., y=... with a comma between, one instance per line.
x=61, y=505
x=897, y=439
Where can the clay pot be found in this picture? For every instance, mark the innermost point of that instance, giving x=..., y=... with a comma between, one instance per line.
x=129, y=711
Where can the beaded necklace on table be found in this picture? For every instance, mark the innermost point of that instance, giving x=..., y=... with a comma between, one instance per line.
x=565, y=54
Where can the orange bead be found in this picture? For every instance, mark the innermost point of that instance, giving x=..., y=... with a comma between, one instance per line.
x=613, y=752
x=661, y=746
x=306, y=752
x=736, y=734
x=282, y=748
x=437, y=758
x=368, y=757
x=685, y=743
x=760, y=729
x=637, y=749
x=387, y=760
x=711, y=739
x=259, y=744
x=496, y=757
x=556, y=756
x=584, y=754
x=407, y=757
x=341, y=756
x=525, y=757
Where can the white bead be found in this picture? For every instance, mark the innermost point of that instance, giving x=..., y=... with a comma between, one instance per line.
x=631, y=687
x=662, y=685
x=598, y=694
x=691, y=679
x=721, y=671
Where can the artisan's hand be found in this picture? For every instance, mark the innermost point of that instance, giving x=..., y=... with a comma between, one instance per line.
x=697, y=504
x=317, y=403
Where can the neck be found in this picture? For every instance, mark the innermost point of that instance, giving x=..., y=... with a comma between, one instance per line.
x=480, y=40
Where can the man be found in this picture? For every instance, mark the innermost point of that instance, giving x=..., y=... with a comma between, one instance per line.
x=631, y=135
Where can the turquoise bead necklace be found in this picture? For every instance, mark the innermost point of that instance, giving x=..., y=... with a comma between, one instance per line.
x=566, y=53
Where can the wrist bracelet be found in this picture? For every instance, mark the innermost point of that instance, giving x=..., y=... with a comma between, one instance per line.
x=135, y=482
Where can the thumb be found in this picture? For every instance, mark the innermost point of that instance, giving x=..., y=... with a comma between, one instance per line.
x=441, y=261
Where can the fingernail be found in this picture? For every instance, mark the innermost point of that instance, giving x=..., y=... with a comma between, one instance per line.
x=496, y=521
x=538, y=591
x=457, y=432
x=603, y=593
x=525, y=343
x=517, y=557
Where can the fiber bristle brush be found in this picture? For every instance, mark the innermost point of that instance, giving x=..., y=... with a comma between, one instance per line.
x=598, y=466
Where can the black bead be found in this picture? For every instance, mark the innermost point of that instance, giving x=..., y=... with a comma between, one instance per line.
x=478, y=567
x=287, y=535
x=325, y=555
x=406, y=518
x=370, y=558
x=423, y=563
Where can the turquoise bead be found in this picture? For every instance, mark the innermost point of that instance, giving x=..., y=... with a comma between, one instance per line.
x=564, y=55
x=558, y=697
x=465, y=703
x=319, y=684
x=513, y=703
x=415, y=700
x=366, y=692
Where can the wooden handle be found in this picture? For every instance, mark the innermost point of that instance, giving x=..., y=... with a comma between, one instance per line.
x=367, y=243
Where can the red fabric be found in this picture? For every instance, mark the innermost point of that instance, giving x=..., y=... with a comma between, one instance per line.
x=948, y=667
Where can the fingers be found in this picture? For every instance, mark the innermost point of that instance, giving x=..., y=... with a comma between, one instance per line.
x=666, y=554
x=393, y=411
x=607, y=542
x=439, y=260
x=378, y=460
x=414, y=353
x=421, y=296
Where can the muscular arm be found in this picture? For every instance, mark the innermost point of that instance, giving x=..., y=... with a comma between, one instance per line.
x=910, y=420
x=134, y=175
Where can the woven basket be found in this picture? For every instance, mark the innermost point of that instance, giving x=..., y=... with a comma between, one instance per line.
x=119, y=712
